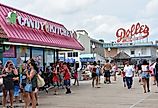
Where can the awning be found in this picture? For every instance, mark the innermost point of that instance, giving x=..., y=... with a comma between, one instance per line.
x=26, y=33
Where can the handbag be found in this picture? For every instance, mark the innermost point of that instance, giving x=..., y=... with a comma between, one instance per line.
x=28, y=87
x=40, y=81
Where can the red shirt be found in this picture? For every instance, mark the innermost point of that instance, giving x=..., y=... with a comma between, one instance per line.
x=66, y=74
x=55, y=77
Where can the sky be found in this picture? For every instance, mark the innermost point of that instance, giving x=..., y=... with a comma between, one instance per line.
x=100, y=18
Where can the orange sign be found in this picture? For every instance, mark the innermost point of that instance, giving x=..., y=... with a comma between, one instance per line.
x=136, y=32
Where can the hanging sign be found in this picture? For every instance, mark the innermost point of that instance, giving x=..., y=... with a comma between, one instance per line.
x=136, y=32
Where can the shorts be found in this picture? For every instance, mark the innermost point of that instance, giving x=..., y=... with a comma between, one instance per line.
x=94, y=75
x=107, y=73
x=16, y=90
x=67, y=82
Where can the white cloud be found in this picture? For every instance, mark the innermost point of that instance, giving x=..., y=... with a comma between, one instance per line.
x=150, y=9
x=100, y=18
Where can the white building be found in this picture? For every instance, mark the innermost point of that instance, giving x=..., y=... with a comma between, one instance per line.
x=137, y=51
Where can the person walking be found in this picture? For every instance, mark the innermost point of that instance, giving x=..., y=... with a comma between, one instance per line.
x=129, y=74
x=106, y=68
x=67, y=78
x=156, y=72
x=55, y=80
x=76, y=70
x=145, y=75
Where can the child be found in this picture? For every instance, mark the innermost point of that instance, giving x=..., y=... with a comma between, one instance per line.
x=124, y=78
x=76, y=78
x=55, y=81
x=67, y=77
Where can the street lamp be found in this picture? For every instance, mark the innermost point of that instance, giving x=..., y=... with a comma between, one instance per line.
x=93, y=47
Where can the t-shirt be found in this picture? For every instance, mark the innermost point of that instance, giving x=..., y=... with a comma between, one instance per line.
x=128, y=71
x=66, y=74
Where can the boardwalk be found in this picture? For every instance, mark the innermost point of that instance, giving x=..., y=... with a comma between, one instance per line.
x=108, y=96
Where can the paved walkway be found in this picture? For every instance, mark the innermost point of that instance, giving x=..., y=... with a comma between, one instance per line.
x=108, y=96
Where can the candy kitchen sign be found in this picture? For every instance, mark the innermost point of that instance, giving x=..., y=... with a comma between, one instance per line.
x=136, y=32
x=14, y=18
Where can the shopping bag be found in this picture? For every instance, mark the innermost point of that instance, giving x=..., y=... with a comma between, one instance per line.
x=40, y=81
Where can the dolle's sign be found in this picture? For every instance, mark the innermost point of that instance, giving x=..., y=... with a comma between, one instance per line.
x=136, y=32
x=13, y=18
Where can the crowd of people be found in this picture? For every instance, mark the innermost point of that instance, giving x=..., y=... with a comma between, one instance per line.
x=21, y=85
x=144, y=71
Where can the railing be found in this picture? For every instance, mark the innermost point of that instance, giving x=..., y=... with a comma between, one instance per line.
x=110, y=45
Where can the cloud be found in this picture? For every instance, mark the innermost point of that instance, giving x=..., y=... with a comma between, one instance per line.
x=150, y=9
x=58, y=6
x=103, y=26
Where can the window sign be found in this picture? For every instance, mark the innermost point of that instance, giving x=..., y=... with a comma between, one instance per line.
x=9, y=51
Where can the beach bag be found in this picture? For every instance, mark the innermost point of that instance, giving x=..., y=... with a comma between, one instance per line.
x=28, y=87
x=40, y=81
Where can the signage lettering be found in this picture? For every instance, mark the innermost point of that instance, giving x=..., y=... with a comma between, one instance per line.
x=136, y=32
x=13, y=18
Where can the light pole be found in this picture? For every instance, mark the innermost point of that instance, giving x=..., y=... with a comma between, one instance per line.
x=93, y=47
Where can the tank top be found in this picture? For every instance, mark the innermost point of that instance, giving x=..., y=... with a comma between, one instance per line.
x=8, y=80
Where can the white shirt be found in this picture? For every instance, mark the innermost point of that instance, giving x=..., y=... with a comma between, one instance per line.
x=128, y=71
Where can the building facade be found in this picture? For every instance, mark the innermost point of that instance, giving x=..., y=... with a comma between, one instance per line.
x=137, y=51
x=24, y=36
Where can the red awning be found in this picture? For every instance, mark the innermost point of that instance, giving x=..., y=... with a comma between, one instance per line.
x=23, y=34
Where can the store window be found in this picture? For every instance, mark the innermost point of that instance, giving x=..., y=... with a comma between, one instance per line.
x=37, y=55
x=49, y=56
x=22, y=54
x=69, y=54
x=75, y=54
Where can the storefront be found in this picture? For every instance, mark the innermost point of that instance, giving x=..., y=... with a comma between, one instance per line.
x=24, y=36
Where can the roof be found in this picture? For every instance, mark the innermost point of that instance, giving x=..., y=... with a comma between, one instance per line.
x=24, y=34
x=122, y=55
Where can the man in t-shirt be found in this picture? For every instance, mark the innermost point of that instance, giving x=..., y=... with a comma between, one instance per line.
x=129, y=73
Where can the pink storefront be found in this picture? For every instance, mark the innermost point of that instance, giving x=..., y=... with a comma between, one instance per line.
x=24, y=36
